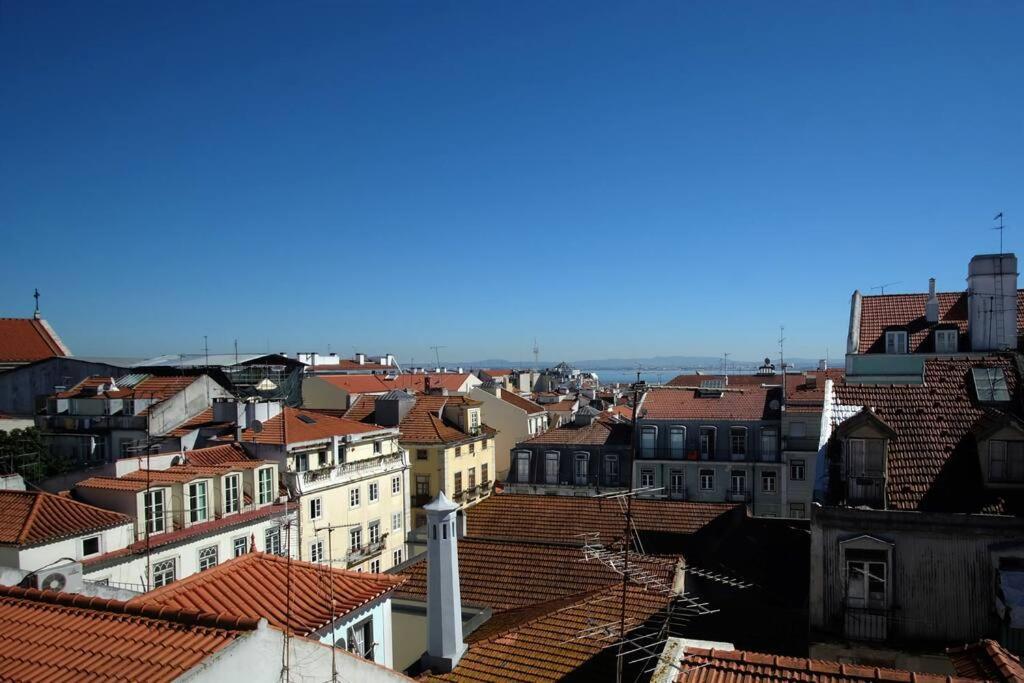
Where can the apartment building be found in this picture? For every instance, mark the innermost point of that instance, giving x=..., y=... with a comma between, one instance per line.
x=450, y=448
x=349, y=481
x=514, y=417
x=340, y=392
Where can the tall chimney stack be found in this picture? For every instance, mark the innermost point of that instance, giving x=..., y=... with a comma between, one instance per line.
x=445, y=645
x=931, y=307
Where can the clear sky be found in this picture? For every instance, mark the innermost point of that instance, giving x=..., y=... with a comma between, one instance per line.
x=620, y=179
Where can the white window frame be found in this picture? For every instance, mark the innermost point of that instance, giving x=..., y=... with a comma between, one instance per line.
x=551, y=473
x=707, y=479
x=581, y=468
x=99, y=545
x=739, y=476
x=205, y=554
x=372, y=492
x=769, y=476
x=896, y=341
x=523, y=467
x=316, y=508
x=316, y=551
x=198, y=491
x=673, y=432
x=797, y=466
x=354, y=497
x=673, y=476
x=235, y=546
x=273, y=533
x=611, y=468
x=154, y=511
x=375, y=566
x=161, y=575
x=396, y=521
x=707, y=442
x=355, y=538
x=649, y=441
x=769, y=438
x=232, y=485
x=396, y=557
x=946, y=341
x=266, y=494
x=646, y=478
x=734, y=432
x=373, y=534
x=396, y=485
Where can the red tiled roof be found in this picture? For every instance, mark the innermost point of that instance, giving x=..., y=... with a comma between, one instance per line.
x=561, y=519
x=597, y=433
x=228, y=588
x=153, y=387
x=203, y=419
x=31, y=517
x=877, y=313
x=493, y=573
x=734, y=380
x=561, y=406
x=294, y=425
x=422, y=424
x=986, y=659
x=379, y=384
x=623, y=411
x=518, y=401
x=932, y=462
x=803, y=398
x=24, y=340
x=544, y=643
x=216, y=455
x=700, y=665
x=228, y=458
x=748, y=402
x=48, y=636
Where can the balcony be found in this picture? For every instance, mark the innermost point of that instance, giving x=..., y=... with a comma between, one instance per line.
x=365, y=552
x=90, y=423
x=860, y=623
x=421, y=499
x=737, y=496
x=561, y=489
x=311, y=480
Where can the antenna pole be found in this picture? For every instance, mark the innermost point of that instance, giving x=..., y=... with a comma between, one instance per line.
x=626, y=536
x=998, y=217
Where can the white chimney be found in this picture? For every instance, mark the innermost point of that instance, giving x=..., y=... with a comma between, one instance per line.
x=992, y=302
x=361, y=358
x=445, y=645
x=931, y=307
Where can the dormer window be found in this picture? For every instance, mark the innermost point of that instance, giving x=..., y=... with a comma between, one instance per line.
x=896, y=341
x=266, y=480
x=990, y=385
x=1006, y=461
x=197, y=502
x=946, y=341
x=865, y=472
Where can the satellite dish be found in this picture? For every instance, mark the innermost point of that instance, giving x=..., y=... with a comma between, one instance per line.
x=257, y=427
x=773, y=404
x=54, y=582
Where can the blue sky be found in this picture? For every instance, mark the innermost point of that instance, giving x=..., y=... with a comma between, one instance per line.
x=621, y=179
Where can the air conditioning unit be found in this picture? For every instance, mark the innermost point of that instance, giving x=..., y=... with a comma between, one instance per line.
x=64, y=578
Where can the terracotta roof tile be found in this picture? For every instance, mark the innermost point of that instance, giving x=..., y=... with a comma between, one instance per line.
x=493, y=573
x=422, y=424
x=379, y=384
x=216, y=455
x=203, y=419
x=158, y=388
x=746, y=401
x=986, y=659
x=57, y=636
x=700, y=665
x=561, y=519
x=228, y=588
x=518, y=401
x=24, y=340
x=933, y=461
x=877, y=313
x=31, y=517
x=294, y=425
x=597, y=433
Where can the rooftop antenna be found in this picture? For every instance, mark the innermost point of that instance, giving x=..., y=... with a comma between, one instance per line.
x=998, y=217
x=536, y=355
x=236, y=352
x=725, y=364
x=437, y=356
x=37, y=315
x=887, y=284
x=782, y=362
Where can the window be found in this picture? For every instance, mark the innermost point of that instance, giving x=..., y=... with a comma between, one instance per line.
x=1006, y=461
x=266, y=476
x=523, y=467
x=707, y=442
x=153, y=502
x=896, y=341
x=483, y=445
x=738, y=441
x=769, y=444
x=866, y=457
x=581, y=469
x=866, y=577
x=301, y=462
x=797, y=430
x=611, y=468
x=648, y=441
x=378, y=447
x=360, y=639
x=421, y=453
x=646, y=478
x=945, y=341
x=474, y=420
x=422, y=486
x=239, y=546
x=796, y=470
x=472, y=478
x=373, y=492
x=990, y=384
x=90, y=546
x=373, y=531
x=316, y=508
x=197, y=502
x=353, y=497
x=458, y=451
x=458, y=483
x=797, y=510
x=375, y=566
x=355, y=538
x=676, y=483
x=396, y=558
x=677, y=441
x=207, y=558
x=163, y=573
x=707, y=480
x=396, y=485
x=396, y=521
x=484, y=481
x=739, y=481
x=551, y=467
x=272, y=541
x=472, y=448
x=316, y=552
x=231, y=494
x=768, y=483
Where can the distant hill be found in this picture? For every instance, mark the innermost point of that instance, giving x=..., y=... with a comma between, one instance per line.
x=711, y=363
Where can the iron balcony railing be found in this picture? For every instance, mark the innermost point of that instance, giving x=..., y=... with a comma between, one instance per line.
x=345, y=470
x=365, y=552
x=695, y=455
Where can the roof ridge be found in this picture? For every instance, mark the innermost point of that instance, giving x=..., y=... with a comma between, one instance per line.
x=186, y=617
x=31, y=518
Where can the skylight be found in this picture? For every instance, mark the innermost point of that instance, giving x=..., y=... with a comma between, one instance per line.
x=307, y=419
x=990, y=384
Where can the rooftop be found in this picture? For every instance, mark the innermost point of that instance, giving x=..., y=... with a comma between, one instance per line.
x=746, y=400
x=597, y=433
x=228, y=588
x=561, y=519
x=378, y=384
x=294, y=425
x=154, y=387
x=932, y=461
x=988, y=660
x=57, y=636
x=423, y=424
x=24, y=340
x=33, y=517
x=518, y=401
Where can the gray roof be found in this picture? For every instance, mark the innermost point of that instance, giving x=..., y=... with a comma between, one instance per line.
x=199, y=360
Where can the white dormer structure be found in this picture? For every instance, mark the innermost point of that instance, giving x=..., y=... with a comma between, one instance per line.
x=445, y=645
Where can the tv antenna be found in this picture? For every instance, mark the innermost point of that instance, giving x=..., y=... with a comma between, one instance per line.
x=887, y=284
x=536, y=353
x=437, y=356
x=1000, y=228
